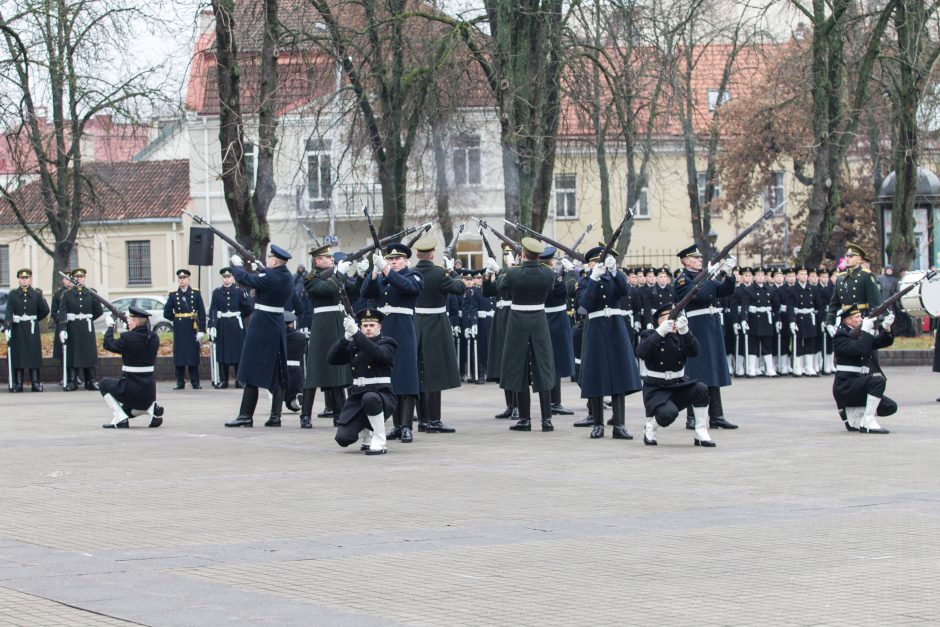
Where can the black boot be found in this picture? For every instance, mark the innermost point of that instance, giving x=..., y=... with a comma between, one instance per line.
x=690, y=419
x=406, y=404
x=619, y=410
x=524, y=405
x=72, y=383
x=328, y=410
x=277, y=401
x=180, y=378
x=194, y=377
x=17, y=379
x=157, y=419
x=35, y=383
x=545, y=406
x=395, y=433
x=90, y=383
x=247, y=409
x=557, y=408
x=223, y=377
x=597, y=413
x=306, y=408
x=507, y=413
x=716, y=419
x=422, y=409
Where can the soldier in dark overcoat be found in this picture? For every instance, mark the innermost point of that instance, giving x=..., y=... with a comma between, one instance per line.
x=292, y=389
x=264, y=356
x=527, y=349
x=486, y=309
x=710, y=365
x=608, y=363
x=77, y=312
x=740, y=300
x=856, y=286
x=185, y=308
x=437, y=365
x=666, y=388
x=137, y=388
x=54, y=324
x=468, y=323
x=323, y=284
x=559, y=324
x=26, y=307
x=826, y=288
x=762, y=316
x=859, y=385
x=491, y=289
x=371, y=400
x=229, y=307
x=395, y=289
x=801, y=322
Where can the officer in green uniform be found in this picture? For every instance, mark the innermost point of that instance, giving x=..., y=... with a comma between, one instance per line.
x=856, y=286
x=25, y=308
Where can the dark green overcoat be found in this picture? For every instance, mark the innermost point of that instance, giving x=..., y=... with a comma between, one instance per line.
x=326, y=329
x=527, y=349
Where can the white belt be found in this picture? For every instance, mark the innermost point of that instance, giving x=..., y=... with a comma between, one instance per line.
x=360, y=381
x=293, y=362
x=430, y=311
x=486, y=314
x=388, y=309
x=556, y=309
x=231, y=314
x=26, y=318
x=73, y=317
x=577, y=361
x=855, y=369
x=607, y=312
x=503, y=303
x=516, y=307
x=766, y=310
x=705, y=310
x=667, y=375
x=137, y=368
x=807, y=311
x=328, y=309
x=269, y=309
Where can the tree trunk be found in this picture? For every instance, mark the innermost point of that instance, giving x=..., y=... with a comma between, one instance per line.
x=441, y=186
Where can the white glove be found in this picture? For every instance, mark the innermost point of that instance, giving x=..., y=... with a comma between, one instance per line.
x=350, y=326
x=888, y=321
x=823, y=327
x=108, y=320
x=362, y=267
x=727, y=266
x=378, y=261
x=636, y=327
x=667, y=327
x=712, y=268
x=63, y=336
x=682, y=325
x=597, y=272
x=473, y=331
x=448, y=264
x=610, y=263
x=794, y=329
x=778, y=325
x=236, y=261
x=566, y=264
x=211, y=332
x=831, y=329
x=8, y=334
x=868, y=325
x=510, y=260
x=257, y=266
x=199, y=335
x=456, y=331
x=343, y=267
x=737, y=327
x=306, y=332
x=745, y=326
x=649, y=325
x=491, y=265
x=466, y=333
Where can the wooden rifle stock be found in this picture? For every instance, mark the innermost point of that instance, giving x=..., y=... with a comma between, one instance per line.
x=120, y=315
x=571, y=252
x=515, y=246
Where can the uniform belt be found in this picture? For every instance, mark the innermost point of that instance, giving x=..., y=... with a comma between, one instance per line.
x=760, y=310
x=806, y=310
x=361, y=381
x=137, y=368
x=668, y=375
x=503, y=303
x=556, y=309
x=577, y=361
x=328, y=309
x=388, y=309
x=855, y=369
x=232, y=314
x=607, y=312
x=83, y=316
x=485, y=314
x=430, y=311
x=269, y=309
x=702, y=311
x=293, y=362
x=26, y=318
x=516, y=307
x=191, y=314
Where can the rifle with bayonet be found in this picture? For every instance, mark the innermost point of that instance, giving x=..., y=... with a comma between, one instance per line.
x=888, y=302
x=452, y=247
x=424, y=229
x=247, y=256
x=581, y=237
x=120, y=315
x=616, y=235
x=372, y=231
x=312, y=236
x=705, y=273
x=515, y=246
x=486, y=244
x=571, y=252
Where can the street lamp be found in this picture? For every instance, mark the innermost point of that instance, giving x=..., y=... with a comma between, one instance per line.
x=712, y=237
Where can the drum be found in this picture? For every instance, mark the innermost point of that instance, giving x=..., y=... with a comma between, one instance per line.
x=923, y=300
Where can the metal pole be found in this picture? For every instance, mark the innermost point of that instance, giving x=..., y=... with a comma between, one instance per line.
x=10, y=360
x=476, y=363
x=65, y=364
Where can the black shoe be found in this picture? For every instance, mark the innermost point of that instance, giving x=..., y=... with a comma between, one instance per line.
x=17, y=387
x=196, y=386
x=867, y=430
x=406, y=435
x=587, y=421
x=239, y=385
x=305, y=422
x=720, y=423
x=523, y=425
x=394, y=434
x=369, y=451
x=621, y=433
x=597, y=432
x=845, y=420
x=179, y=385
x=157, y=410
x=273, y=421
x=71, y=386
x=422, y=426
x=649, y=442
x=91, y=386
x=610, y=421
x=36, y=387
x=155, y=422
x=481, y=381
x=241, y=421
x=326, y=414
x=547, y=424
x=690, y=423
x=121, y=425
x=437, y=426
x=220, y=386
x=705, y=443
x=508, y=412
x=560, y=410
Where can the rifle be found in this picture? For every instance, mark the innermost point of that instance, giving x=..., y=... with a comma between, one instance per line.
x=486, y=244
x=704, y=274
x=571, y=252
x=888, y=302
x=516, y=247
x=615, y=235
x=246, y=255
x=372, y=231
x=452, y=247
x=120, y=315
x=581, y=237
x=311, y=235
x=424, y=229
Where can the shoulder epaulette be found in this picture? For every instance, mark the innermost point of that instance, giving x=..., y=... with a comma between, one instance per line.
x=195, y=289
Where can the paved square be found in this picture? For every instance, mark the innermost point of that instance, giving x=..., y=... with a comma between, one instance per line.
x=790, y=520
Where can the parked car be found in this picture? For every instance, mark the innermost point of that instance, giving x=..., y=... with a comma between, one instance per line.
x=4, y=295
x=151, y=304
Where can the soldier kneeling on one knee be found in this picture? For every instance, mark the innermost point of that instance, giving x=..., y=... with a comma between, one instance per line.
x=136, y=389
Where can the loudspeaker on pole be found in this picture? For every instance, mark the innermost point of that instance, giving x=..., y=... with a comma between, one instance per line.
x=201, y=246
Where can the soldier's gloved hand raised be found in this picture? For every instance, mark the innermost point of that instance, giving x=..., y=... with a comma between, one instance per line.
x=667, y=327
x=745, y=326
x=257, y=266
x=794, y=329
x=212, y=333
x=778, y=325
x=108, y=320
x=491, y=266
x=831, y=330
x=682, y=325
x=727, y=266
x=448, y=264
x=868, y=325
x=597, y=272
x=63, y=336
x=378, y=261
x=566, y=264
x=510, y=260
x=362, y=267
x=343, y=267
x=887, y=322
x=235, y=260
x=350, y=327
x=610, y=263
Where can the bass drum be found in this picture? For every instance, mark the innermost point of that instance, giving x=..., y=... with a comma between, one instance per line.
x=923, y=300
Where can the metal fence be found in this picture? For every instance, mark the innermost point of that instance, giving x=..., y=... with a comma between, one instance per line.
x=348, y=198
x=650, y=258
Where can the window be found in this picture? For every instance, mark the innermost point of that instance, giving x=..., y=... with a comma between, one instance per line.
x=4, y=266
x=319, y=174
x=73, y=258
x=772, y=195
x=716, y=97
x=640, y=206
x=467, y=160
x=138, y=262
x=470, y=253
x=566, y=197
x=251, y=165
x=702, y=180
